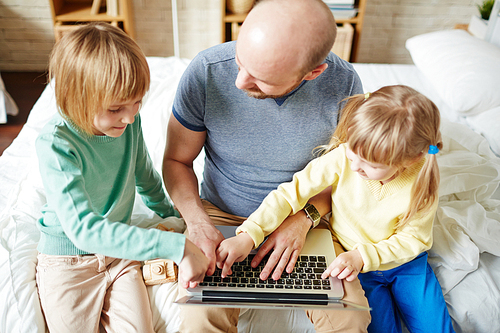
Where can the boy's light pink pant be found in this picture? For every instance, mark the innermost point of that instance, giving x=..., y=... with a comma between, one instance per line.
x=79, y=292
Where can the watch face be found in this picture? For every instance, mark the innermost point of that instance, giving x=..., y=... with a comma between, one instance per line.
x=312, y=213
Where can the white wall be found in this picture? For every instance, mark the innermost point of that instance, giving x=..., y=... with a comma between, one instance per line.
x=26, y=35
x=389, y=23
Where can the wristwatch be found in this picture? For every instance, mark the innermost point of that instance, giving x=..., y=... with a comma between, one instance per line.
x=313, y=214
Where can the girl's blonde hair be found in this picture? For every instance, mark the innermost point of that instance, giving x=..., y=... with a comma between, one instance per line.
x=394, y=126
x=92, y=67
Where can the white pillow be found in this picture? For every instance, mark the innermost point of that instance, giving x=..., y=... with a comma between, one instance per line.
x=464, y=70
x=488, y=125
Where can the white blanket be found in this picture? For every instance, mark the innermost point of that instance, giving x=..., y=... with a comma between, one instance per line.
x=465, y=255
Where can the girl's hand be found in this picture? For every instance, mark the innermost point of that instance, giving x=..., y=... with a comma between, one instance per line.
x=232, y=250
x=347, y=266
x=193, y=266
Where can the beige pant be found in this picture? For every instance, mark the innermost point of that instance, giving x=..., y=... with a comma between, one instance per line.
x=79, y=292
x=213, y=319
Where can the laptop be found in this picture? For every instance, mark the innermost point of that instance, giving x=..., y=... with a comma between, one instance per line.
x=303, y=288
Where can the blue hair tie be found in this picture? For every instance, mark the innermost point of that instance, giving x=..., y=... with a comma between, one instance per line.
x=433, y=150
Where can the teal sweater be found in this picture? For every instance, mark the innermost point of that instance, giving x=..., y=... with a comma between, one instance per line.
x=90, y=183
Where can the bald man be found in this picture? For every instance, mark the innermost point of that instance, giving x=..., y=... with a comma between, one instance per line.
x=259, y=107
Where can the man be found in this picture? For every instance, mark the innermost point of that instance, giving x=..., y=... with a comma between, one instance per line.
x=259, y=107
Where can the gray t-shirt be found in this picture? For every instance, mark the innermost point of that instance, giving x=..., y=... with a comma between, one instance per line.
x=254, y=145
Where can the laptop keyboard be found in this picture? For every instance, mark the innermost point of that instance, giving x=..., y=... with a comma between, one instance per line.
x=306, y=275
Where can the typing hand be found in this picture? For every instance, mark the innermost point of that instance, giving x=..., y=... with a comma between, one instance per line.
x=206, y=237
x=193, y=266
x=347, y=266
x=286, y=242
x=232, y=250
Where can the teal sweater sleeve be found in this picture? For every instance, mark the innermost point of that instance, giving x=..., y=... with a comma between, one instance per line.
x=90, y=183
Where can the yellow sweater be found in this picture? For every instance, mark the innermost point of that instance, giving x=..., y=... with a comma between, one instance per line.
x=364, y=212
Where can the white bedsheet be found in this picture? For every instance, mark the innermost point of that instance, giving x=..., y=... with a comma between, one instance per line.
x=465, y=255
x=7, y=104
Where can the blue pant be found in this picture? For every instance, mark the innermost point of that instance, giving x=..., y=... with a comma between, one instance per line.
x=410, y=292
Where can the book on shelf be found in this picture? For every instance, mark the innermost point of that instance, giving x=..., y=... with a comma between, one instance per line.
x=344, y=13
x=112, y=7
x=339, y=3
x=342, y=9
x=96, y=5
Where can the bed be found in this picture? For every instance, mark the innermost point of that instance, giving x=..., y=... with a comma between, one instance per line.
x=7, y=104
x=460, y=73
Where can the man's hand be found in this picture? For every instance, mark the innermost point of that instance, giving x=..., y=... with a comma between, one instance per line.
x=347, y=266
x=193, y=266
x=207, y=238
x=234, y=249
x=286, y=242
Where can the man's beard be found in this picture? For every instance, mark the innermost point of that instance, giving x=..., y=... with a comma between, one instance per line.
x=258, y=94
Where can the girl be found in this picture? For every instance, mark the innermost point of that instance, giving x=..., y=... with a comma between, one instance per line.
x=381, y=164
x=92, y=159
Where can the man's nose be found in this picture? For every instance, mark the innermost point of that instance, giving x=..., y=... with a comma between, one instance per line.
x=243, y=80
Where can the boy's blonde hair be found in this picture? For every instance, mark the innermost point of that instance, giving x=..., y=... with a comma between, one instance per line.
x=394, y=126
x=93, y=66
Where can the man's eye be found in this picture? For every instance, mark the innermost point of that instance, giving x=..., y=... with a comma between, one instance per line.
x=114, y=110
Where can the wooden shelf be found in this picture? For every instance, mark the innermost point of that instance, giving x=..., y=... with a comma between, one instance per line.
x=238, y=18
x=353, y=20
x=77, y=11
x=68, y=14
x=231, y=23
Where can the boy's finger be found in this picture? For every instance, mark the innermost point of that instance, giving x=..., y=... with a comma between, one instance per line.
x=184, y=284
x=211, y=265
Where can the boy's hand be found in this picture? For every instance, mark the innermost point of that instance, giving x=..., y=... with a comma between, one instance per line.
x=207, y=238
x=193, y=266
x=233, y=249
x=347, y=266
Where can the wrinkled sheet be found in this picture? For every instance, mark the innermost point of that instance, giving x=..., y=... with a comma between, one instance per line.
x=465, y=255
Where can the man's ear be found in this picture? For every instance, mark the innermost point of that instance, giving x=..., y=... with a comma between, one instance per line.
x=316, y=72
